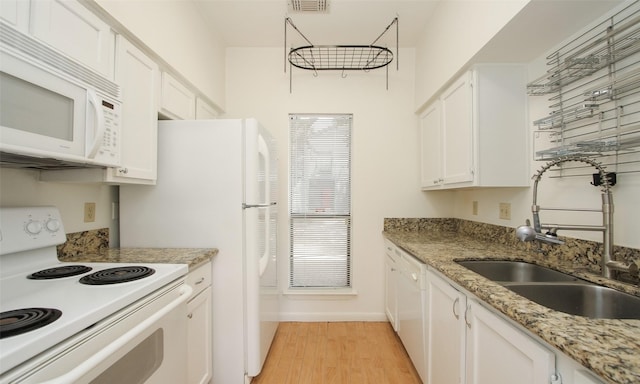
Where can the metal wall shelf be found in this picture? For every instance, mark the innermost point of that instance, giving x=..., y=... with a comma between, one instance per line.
x=593, y=85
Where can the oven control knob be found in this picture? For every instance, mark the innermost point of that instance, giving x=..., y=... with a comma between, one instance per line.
x=52, y=225
x=33, y=227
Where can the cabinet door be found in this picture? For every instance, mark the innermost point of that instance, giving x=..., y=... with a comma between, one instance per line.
x=76, y=31
x=514, y=358
x=176, y=100
x=390, y=298
x=430, y=153
x=205, y=110
x=199, y=341
x=581, y=376
x=457, y=132
x=15, y=13
x=445, y=332
x=139, y=76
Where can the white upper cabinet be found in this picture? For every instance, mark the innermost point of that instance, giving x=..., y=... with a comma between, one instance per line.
x=140, y=79
x=205, y=110
x=15, y=13
x=179, y=102
x=457, y=132
x=176, y=100
x=75, y=30
x=475, y=134
x=139, y=76
x=430, y=154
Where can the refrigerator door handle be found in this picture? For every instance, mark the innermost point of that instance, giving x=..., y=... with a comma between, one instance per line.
x=245, y=206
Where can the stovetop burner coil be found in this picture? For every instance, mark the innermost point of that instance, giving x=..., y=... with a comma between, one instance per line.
x=117, y=275
x=59, y=272
x=20, y=321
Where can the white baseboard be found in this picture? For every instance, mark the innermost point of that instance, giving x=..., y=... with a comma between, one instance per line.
x=332, y=316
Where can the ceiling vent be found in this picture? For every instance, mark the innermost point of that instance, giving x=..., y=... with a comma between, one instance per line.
x=317, y=6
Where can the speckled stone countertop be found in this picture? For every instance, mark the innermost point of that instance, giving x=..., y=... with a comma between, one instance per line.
x=192, y=256
x=609, y=348
x=93, y=246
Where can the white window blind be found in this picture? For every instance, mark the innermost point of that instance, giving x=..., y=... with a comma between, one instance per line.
x=320, y=201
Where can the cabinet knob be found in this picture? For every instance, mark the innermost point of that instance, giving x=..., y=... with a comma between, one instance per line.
x=124, y=171
x=199, y=281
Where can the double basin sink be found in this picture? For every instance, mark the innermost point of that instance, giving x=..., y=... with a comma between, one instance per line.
x=557, y=290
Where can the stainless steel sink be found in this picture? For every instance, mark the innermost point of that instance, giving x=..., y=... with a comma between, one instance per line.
x=515, y=271
x=558, y=291
x=592, y=301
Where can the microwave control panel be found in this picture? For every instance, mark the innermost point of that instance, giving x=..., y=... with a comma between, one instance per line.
x=110, y=147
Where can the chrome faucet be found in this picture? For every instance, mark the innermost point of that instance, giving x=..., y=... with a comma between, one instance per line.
x=528, y=233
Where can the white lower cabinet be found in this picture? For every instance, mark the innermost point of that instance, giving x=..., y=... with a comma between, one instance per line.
x=445, y=334
x=467, y=343
x=499, y=353
x=199, y=332
x=391, y=281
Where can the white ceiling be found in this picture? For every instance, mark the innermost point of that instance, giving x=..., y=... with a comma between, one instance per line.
x=261, y=23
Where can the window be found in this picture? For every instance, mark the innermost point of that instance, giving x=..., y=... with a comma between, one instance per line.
x=320, y=201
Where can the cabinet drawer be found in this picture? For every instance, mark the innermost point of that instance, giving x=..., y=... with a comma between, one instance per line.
x=199, y=279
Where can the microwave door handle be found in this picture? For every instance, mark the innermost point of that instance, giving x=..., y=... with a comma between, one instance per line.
x=98, y=123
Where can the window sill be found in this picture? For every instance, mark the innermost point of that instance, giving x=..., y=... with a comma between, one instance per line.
x=306, y=292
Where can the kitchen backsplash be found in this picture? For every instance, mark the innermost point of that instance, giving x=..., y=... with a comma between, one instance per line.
x=581, y=253
x=83, y=242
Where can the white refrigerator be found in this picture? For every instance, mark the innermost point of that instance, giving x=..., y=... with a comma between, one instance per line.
x=217, y=187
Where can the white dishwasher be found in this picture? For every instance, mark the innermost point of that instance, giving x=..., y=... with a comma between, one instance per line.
x=411, y=310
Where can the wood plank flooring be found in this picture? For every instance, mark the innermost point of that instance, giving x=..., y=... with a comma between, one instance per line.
x=337, y=353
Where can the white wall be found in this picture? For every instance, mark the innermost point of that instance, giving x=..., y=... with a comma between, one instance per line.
x=455, y=33
x=384, y=159
x=571, y=192
x=22, y=188
x=176, y=31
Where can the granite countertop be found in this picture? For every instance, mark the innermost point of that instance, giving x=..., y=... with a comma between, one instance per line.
x=195, y=257
x=609, y=348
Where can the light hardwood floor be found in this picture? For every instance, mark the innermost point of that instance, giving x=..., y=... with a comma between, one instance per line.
x=337, y=353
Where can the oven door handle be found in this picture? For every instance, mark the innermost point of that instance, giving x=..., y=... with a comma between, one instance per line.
x=85, y=367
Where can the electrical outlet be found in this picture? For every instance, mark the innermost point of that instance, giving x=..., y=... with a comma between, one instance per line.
x=505, y=211
x=89, y=212
x=474, y=208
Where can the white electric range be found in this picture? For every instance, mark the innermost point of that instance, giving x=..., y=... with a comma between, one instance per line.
x=84, y=322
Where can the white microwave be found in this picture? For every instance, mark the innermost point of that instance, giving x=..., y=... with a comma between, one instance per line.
x=52, y=107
